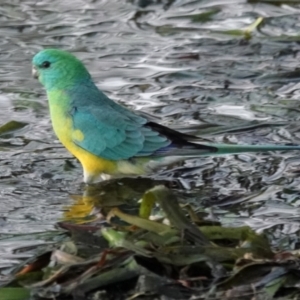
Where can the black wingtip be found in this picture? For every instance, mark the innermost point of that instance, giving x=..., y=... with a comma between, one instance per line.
x=178, y=139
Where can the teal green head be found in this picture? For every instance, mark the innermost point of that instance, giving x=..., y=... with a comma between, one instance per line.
x=58, y=69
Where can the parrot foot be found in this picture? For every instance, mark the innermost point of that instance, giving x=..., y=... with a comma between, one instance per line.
x=90, y=179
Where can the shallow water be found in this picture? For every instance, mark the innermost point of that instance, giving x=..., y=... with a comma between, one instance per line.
x=185, y=62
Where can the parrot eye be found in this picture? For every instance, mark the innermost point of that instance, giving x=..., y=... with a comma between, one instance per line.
x=45, y=64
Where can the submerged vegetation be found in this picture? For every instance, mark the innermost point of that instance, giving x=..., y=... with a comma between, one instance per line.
x=174, y=254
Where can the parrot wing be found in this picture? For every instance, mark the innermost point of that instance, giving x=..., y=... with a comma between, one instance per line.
x=112, y=135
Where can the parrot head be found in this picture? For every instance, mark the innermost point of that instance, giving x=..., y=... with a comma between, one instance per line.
x=57, y=69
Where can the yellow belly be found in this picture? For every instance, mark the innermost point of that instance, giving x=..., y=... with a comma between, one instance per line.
x=92, y=165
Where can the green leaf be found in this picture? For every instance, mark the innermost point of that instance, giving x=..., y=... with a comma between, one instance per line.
x=204, y=17
x=11, y=126
x=14, y=293
x=272, y=288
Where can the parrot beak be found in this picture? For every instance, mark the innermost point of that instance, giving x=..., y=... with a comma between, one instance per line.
x=35, y=73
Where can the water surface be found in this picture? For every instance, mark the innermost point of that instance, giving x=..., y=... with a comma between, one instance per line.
x=186, y=63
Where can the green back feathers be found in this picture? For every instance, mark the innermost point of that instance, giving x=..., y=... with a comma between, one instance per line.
x=59, y=69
